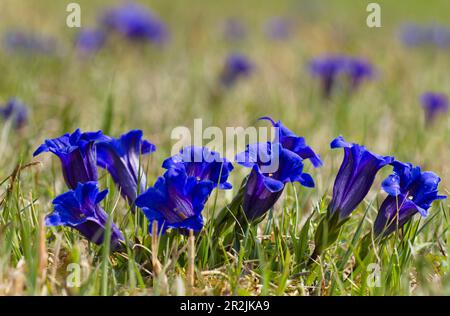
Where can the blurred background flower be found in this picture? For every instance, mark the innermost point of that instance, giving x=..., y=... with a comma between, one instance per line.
x=16, y=111
x=416, y=35
x=278, y=28
x=233, y=29
x=135, y=22
x=90, y=40
x=236, y=66
x=29, y=43
x=434, y=104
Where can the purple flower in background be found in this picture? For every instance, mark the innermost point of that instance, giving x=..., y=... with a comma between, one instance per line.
x=294, y=143
x=434, y=104
x=355, y=177
x=332, y=68
x=90, y=40
x=414, y=35
x=79, y=209
x=327, y=68
x=278, y=29
x=120, y=157
x=135, y=22
x=358, y=70
x=265, y=186
x=176, y=201
x=202, y=164
x=28, y=43
x=233, y=29
x=77, y=154
x=236, y=66
x=441, y=36
x=410, y=191
x=16, y=111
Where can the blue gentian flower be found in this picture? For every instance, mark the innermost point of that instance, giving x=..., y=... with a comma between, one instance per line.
x=327, y=68
x=77, y=154
x=355, y=177
x=410, y=191
x=176, y=201
x=278, y=29
x=294, y=143
x=136, y=22
x=233, y=29
x=120, y=157
x=434, y=104
x=80, y=209
x=236, y=66
x=263, y=187
x=90, y=40
x=16, y=111
x=29, y=43
x=203, y=164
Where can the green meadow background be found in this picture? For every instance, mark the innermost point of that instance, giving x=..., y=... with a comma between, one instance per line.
x=155, y=89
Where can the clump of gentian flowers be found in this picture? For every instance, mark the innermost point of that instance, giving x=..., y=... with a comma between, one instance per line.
x=334, y=70
x=15, y=111
x=434, y=104
x=77, y=154
x=177, y=198
x=273, y=165
x=80, y=153
x=80, y=209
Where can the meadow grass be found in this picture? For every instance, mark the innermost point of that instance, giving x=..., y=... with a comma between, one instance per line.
x=129, y=86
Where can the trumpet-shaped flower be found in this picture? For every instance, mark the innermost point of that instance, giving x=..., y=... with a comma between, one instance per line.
x=203, y=164
x=355, y=177
x=272, y=167
x=80, y=209
x=120, y=157
x=176, y=201
x=410, y=191
x=289, y=140
x=77, y=154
